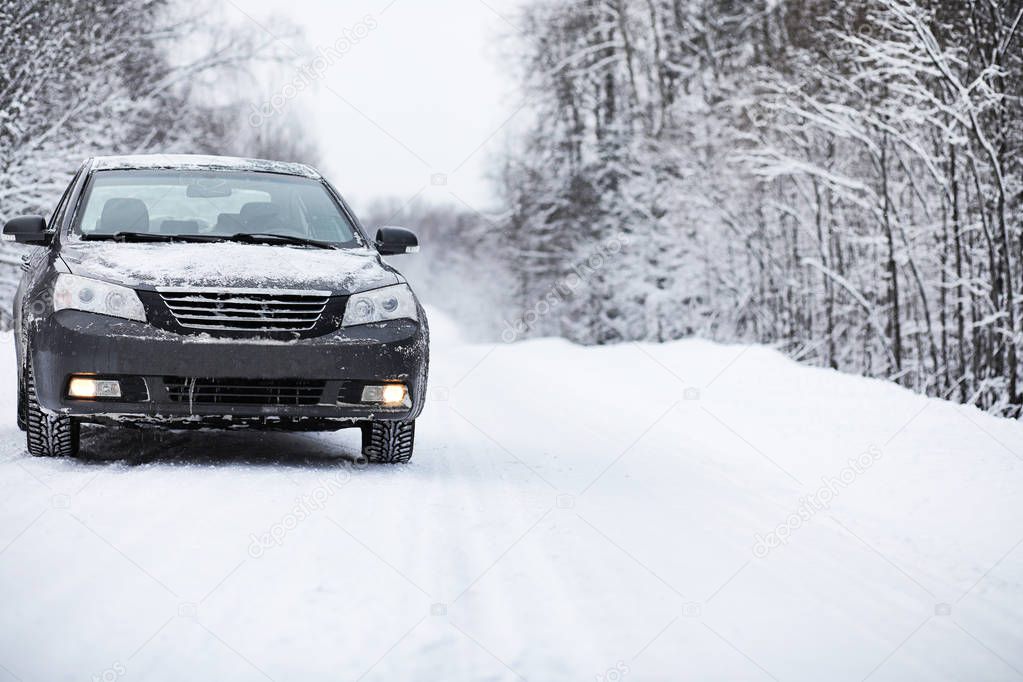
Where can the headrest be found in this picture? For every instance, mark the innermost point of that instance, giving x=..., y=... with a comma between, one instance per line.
x=228, y=223
x=259, y=209
x=123, y=214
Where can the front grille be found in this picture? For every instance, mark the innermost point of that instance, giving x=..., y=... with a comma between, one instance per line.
x=244, y=391
x=249, y=310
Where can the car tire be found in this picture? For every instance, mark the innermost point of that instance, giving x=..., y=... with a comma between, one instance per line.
x=388, y=442
x=22, y=421
x=48, y=435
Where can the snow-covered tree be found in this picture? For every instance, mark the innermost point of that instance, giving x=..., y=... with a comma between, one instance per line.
x=842, y=179
x=85, y=78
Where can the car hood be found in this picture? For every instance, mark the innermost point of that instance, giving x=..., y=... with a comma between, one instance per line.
x=341, y=271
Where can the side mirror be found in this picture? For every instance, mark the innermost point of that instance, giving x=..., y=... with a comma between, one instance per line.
x=29, y=229
x=394, y=241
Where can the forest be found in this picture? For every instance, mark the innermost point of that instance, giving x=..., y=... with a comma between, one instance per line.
x=840, y=179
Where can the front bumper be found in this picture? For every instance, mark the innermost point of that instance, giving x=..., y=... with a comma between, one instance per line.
x=72, y=342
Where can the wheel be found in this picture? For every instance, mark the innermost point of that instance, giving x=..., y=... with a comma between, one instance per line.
x=388, y=442
x=21, y=406
x=47, y=435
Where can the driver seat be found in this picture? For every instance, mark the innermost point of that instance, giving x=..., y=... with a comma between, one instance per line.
x=261, y=216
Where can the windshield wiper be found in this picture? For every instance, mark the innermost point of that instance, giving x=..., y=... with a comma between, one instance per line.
x=151, y=237
x=269, y=237
x=242, y=237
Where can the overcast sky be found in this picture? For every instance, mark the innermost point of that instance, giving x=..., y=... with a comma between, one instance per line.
x=413, y=96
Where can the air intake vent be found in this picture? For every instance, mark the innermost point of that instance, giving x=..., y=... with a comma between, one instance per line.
x=249, y=310
x=244, y=391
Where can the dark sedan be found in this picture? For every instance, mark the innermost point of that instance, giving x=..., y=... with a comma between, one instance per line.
x=185, y=291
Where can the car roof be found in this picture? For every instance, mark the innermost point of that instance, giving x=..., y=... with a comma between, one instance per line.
x=200, y=162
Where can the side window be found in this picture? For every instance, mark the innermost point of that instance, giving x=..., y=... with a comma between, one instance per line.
x=57, y=216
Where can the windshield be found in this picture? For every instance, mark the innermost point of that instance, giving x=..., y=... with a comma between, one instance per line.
x=172, y=203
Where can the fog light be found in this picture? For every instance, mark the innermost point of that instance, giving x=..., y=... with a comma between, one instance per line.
x=394, y=394
x=83, y=388
x=387, y=394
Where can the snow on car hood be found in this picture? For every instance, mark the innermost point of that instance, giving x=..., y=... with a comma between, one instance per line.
x=342, y=271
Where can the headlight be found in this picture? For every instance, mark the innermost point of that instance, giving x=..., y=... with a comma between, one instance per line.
x=72, y=292
x=389, y=303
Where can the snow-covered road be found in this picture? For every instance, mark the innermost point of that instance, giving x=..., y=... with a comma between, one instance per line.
x=639, y=512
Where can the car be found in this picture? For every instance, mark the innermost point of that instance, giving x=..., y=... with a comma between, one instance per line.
x=186, y=291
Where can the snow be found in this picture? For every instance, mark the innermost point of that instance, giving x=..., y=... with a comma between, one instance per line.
x=201, y=162
x=228, y=264
x=571, y=513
